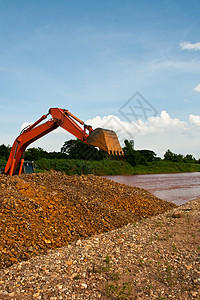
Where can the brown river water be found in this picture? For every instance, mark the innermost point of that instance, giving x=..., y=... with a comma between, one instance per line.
x=178, y=188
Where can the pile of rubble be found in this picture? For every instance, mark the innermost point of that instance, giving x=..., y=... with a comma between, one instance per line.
x=47, y=211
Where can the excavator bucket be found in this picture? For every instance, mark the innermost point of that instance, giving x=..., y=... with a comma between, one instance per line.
x=105, y=140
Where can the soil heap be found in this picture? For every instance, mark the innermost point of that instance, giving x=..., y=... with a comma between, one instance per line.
x=47, y=211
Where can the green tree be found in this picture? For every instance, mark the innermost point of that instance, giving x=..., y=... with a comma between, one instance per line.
x=34, y=154
x=132, y=156
x=148, y=155
x=189, y=159
x=4, y=151
x=57, y=155
x=170, y=156
x=129, y=146
x=76, y=149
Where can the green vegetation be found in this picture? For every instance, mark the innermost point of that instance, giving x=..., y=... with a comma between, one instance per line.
x=163, y=166
x=77, y=157
x=115, y=286
x=76, y=149
x=77, y=166
x=113, y=167
x=4, y=152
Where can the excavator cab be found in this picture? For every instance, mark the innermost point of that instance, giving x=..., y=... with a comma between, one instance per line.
x=27, y=167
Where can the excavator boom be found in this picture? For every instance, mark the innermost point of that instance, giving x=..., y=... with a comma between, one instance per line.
x=102, y=138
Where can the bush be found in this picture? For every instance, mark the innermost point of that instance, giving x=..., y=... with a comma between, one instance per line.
x=2, y=163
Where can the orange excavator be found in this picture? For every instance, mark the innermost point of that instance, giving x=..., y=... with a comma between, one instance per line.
x=102, y=138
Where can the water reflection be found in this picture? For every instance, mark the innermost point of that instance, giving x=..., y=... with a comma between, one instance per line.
x=177, y=188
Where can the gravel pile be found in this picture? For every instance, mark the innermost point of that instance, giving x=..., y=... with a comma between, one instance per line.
x=155, y=258
x=39, y=212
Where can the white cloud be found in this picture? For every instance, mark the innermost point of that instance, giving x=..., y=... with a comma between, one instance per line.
x=164, y=121
x=166, y=64
x=197, y=88
x=124, y=130
x=190, y=46
x=152, y=125
x=195, y=120
x=157, y=133
x=58, y=130
x=25, y=124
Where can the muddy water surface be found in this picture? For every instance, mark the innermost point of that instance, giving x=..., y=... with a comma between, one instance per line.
x=177, y=188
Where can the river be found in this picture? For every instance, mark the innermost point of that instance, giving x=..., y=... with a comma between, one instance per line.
x=178, y=188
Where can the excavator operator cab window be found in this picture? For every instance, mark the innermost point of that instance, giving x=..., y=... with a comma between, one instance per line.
x=27, y=168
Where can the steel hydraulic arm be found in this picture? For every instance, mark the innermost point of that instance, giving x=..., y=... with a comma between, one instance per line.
x=102, y=138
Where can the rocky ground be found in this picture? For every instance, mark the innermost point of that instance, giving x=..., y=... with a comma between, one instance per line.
x=46, y=211
x=116, y=242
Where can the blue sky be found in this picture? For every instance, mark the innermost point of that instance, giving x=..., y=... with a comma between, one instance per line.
x=91, y=57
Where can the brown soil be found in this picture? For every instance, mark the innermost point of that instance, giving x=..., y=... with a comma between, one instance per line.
x=39, y=212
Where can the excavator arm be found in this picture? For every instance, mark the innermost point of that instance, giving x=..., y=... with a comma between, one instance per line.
x=104, y=139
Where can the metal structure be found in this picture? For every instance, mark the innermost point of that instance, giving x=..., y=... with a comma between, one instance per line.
x=102, y=138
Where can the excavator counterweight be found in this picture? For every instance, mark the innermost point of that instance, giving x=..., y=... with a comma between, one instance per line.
x=104, y=139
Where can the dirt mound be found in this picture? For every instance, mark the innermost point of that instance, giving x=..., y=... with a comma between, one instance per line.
x=46, y=211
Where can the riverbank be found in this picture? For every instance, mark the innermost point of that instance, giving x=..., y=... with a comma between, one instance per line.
x=113, y=167
x=155, y=258
x=178, y=188
x=110, y=167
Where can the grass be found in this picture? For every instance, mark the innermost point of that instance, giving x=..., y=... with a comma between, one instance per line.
x=162, y=166
x=103, y=268
x=114, y=288
x=113, y=167
x=72, y=166
x=110, y=167
x=166, y=275
x=119, y=291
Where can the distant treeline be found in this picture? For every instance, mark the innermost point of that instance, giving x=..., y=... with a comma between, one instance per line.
x=77, y=150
